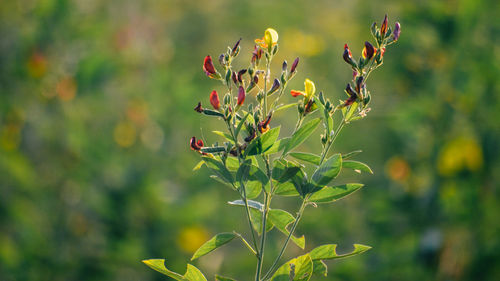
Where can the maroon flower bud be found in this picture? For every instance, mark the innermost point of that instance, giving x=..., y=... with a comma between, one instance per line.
x=195, y=145
x=275, y=87
x=359, y=84
x=214, y=100
x=240, y=74
x=256, y=79
x=294, y=65
x=383, y=27
x=349, y=101
x=235, y=79
x=241, y=95
x=349, y=90
x=251, y=136
x=264, y=125
x=348, y=56
x=368, y=50
x=284, y=66
x=397, y=31
x=234, y=51
x=208, y=66
x=198, y=108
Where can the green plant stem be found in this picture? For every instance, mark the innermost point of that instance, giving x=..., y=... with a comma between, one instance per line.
x=292, y=230
x=245, y=242
x=332, y=140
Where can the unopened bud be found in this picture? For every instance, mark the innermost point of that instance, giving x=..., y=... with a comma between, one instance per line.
x=198, y=108
x=214, y=100
x=294, y=65
x=284, y=66
x=397, y=31
x=383, y=27
x=241, y=95
x=236, y=49
x=275, y=87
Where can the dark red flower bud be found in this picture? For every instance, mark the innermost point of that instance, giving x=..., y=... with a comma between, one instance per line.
x=359, y=84
x=350, y=100
x=348, y=56
x=241, y=95
x=240, y=74
x=264, y=125
x=234, y=51
x=195, y=145
x=235, y=79
x=214, y=100
x=208, y=66
x=251, y=136
x=294, y=65
x=397, y=31
x=198, y=108
x=368, y=50
x=256, y=79
x=349, y=90
x=383, y=27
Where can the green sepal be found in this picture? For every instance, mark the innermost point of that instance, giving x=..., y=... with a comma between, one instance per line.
x=214, y=243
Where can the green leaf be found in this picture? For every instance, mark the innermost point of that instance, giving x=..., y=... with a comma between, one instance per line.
x=284, y=170
x=277, y=146
x=320, y=268
x=351, y=111
x=224, y=135
x=297, y=269
x=240, y=125
x=253, y=189
x=213, y=149
x=357, y=166
x=328, y=170
x=302, y=134
x=214, y=243
x=299, y=180
x=286, y=189
x=350, y=154
x=263, y=142
x=252, y=204
x=256, y=218
x=330, y=194
x=198, y=166
x=282, y=107
x=328, y=252
x=219, y=169
x=192, y=273
x=307, y=157
x=222, y=278
x=210, y=112
x=243, y=170
x=281, y=219
x=218, y=179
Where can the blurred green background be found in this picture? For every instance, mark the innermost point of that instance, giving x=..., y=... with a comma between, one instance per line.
x=96, y=108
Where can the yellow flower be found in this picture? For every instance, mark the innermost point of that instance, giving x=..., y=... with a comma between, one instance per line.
x=309, y=90
x=270, y=38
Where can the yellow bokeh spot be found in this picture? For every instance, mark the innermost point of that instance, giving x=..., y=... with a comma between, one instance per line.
x=398, y=169
x=125, y=134
x=462, y=153
x=66, y=89
x=304, y=44
x=37, y=65
x=191, y=238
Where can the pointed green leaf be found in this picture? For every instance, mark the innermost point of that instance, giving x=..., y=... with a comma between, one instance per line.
x=253, y=189
x=302, y=134
x=282, y=107
x=256, y=218
x=240, y=125
x=210, y=112
x=330, y=194
x=357, y=166
x=281, y=219
x=213, y=149
x=328, y=170
x=297, y=269
x=263, y=142
x=299, y=180
x=218, y=179
x=350, y=154
x=243, y=170
x=219, y=169
x=232, y=164
x=198, y=166
x=307, y=157
x=286, y=189
x=320, y=268
x=284, y=170
x=252, y=204
x=277, y=146
x=214, y=243
x=224, y=135
x=328, y=252
x=192, y=273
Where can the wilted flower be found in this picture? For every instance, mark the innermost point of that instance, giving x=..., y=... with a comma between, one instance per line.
x=214, y=99
x=241, y=95
x=368, y=50
x=270, y=38
x=198, y=108
x=383, y=27
x=397, y=31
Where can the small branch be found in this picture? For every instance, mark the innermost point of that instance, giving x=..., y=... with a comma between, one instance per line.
x=245, y=242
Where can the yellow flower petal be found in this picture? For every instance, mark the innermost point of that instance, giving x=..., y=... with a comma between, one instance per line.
x=271, y=37
x=310, y=88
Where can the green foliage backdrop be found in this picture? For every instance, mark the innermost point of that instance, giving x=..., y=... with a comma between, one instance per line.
x=96, y=109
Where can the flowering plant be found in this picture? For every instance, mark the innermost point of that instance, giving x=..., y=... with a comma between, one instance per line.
x=255, y=162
